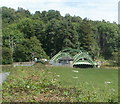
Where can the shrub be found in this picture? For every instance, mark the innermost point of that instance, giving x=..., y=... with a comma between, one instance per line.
x=6, y=55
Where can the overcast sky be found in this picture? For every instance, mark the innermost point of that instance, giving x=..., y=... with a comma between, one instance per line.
x=92, y=9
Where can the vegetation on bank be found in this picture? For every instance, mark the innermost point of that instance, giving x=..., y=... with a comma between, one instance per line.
x=52, y=84
x=45, y=33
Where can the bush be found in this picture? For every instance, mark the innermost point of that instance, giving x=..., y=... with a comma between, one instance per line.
x=6, y=55
x=115, y=58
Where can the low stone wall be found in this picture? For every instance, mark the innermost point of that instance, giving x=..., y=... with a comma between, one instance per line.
x=23, y=63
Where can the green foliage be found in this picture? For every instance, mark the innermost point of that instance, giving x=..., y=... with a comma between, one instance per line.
x=22, y=13
x=115, y=58
x=51, y=14
x=29, y=49
x=55, y=32
x=26, y=82
x=11, y=36
x=8, y=15
x=26, y=26
x=70, y=39
x=6, y=55
x=108, y=38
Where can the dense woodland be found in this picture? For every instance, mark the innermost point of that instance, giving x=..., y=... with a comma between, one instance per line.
x=45, y=33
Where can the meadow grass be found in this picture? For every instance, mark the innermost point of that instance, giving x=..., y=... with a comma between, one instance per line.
x=41, y=83
x=99, y=81
x=73, y=77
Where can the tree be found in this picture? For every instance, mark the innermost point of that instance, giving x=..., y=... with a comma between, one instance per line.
x=70, y=39
x=22, y=13
x=85, y=36
x=76, y=19
x=26, y=26
x=52, y=38
x=37, y=15
x=108, y=38
x=39, y=28
x=11, y=35
x=6, y=55
x=8, y=16
x=29, y=48
x=51, y=14
x=48, y=32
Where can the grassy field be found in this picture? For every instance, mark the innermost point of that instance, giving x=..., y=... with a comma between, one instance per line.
x=103, y=82
x=60, y=84
x=74, y=77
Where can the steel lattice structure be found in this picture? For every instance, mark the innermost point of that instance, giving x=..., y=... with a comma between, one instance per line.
x=79, y=57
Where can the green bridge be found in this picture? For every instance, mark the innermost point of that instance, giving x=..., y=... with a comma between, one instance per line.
x=77, y=58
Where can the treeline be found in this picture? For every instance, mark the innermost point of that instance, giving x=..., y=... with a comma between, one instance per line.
x=43, y=34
